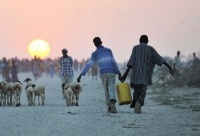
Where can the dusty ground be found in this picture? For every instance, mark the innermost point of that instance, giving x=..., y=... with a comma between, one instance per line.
x=167, y=112
x=180, y=98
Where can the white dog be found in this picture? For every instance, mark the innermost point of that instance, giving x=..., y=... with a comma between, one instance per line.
x=77, y=89
x=40, y=92
x=9, y=94
x=3, y=93
x=17, y=87
x=29, y=90
x=68, y=95
x=64, y=87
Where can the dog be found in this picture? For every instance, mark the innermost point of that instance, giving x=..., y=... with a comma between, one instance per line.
x=17, y=87
x=76, y=88
x=40, y=92
x=9, y=93
x=68, y=95
x=64, y=87
x=29, y=91
x=3, y=93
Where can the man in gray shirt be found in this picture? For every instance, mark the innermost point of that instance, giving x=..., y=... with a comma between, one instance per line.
x=142, y=62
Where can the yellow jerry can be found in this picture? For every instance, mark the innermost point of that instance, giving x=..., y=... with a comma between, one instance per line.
x=123, y=93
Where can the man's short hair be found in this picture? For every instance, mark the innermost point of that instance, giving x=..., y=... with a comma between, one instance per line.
x=97, y=41
x=144, y=39
x=65, y=50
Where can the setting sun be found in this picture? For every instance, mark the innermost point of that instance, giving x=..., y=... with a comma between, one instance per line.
x=39, y=48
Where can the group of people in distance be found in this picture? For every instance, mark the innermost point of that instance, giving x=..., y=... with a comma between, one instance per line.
x=142, y=62
x=185, y=69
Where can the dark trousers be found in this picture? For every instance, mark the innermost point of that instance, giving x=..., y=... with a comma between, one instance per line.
x=138, y=94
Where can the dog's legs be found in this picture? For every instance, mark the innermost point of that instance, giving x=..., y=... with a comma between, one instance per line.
x=12, y=101
x=69, y=101
x=39, y=100
x=42, y=99
x=4, y=99
x=66, y=102
x=15, y=97
x=77, y=97
x=28, y=99
x=63, y=94
x=0, y=101
x=34, y=97
x=73, y=100
x=19, y=101
x=8, y=102
x=31, y=98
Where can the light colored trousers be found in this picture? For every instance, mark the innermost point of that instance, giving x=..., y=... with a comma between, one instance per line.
x=108, y=80
x=66, y=79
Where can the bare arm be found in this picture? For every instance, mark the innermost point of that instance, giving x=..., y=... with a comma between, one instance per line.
x=169, y=67
x=126, y=73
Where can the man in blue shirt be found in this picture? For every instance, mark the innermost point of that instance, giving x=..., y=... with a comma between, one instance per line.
x=104, y=58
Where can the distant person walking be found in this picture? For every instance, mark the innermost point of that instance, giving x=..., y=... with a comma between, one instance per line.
x=14, y=70
x=94, y=72
x=6, y=70
x=35, y=67
x=177, y=65
x=196, y=61
x=108, y=69
x=193, y=78
x=51, y=67
x=142, y=62
x=2, y=65
x=66, y=69
x=76, y=65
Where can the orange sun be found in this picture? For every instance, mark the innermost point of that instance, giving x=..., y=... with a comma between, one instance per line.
x=39, y=48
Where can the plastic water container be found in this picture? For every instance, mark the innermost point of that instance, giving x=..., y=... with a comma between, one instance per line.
x=123, y=93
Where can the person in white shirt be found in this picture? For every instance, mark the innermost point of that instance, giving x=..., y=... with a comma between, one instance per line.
x=177, y=64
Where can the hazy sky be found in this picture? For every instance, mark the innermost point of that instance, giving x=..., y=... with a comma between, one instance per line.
x=170, y=24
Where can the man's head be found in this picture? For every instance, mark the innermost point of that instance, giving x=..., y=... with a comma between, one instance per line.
x=178, y=53
x=97, y=41
x=194, y=54
x=144, y=39
x=64, y=51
